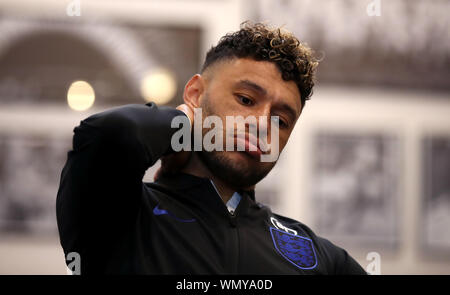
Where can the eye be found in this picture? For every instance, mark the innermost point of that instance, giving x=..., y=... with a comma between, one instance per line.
x=281, y=123
x=244, y=100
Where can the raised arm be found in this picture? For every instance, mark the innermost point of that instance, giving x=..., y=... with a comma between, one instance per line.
x=101, y=182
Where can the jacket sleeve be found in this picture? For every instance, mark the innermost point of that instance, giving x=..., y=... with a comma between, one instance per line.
x=342, y=262
x=101, y=183
x=338, y=261
x=347, y=265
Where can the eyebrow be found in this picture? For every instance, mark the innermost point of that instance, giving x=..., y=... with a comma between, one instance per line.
x=255, y=87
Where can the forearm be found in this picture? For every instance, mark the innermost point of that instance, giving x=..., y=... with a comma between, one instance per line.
x=101, y=182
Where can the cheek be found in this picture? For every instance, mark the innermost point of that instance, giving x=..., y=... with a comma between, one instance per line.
x=217, y=107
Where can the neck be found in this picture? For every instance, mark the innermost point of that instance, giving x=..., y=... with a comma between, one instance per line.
x=197, y=168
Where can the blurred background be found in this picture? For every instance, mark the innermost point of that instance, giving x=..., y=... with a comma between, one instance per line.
x=367, y=166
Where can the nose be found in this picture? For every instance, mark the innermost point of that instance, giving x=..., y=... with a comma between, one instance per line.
x=264, y=123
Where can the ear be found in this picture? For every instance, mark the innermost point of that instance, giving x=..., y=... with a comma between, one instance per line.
x=194, y=90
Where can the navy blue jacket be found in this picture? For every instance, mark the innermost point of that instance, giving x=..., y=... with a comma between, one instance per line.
x=176, y=225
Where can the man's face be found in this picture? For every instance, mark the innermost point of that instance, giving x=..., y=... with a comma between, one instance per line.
x=245, y=87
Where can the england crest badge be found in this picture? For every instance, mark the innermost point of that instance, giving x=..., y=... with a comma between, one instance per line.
x=296, y=249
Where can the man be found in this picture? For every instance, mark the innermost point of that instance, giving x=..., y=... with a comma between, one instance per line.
x=201, y=215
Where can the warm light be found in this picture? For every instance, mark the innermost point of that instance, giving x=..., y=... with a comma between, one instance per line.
x=80, y=96
x=158, y=86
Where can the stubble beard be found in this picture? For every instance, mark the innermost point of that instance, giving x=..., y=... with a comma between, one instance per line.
x=237, y=174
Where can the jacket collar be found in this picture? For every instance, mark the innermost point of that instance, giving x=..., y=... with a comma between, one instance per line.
x=181, y=181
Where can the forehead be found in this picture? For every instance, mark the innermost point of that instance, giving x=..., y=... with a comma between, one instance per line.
x=230, y=72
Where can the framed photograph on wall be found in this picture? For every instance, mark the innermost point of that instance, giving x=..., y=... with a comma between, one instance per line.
x=30, y=168
x=356, y=188
x=435, y=237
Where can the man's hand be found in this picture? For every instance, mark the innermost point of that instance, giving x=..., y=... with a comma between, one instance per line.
x=176, y=161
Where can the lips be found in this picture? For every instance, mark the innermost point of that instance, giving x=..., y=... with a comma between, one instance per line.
x=251, y=144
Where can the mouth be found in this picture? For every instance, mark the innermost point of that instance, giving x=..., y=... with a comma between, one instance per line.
x=250, y=143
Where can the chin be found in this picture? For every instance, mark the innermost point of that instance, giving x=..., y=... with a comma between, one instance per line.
x=237, y=168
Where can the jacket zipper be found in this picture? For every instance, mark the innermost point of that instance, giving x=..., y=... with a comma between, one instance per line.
x=232, y=266
x=234, y=256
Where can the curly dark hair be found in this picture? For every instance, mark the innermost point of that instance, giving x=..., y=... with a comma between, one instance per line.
x=258, y=41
